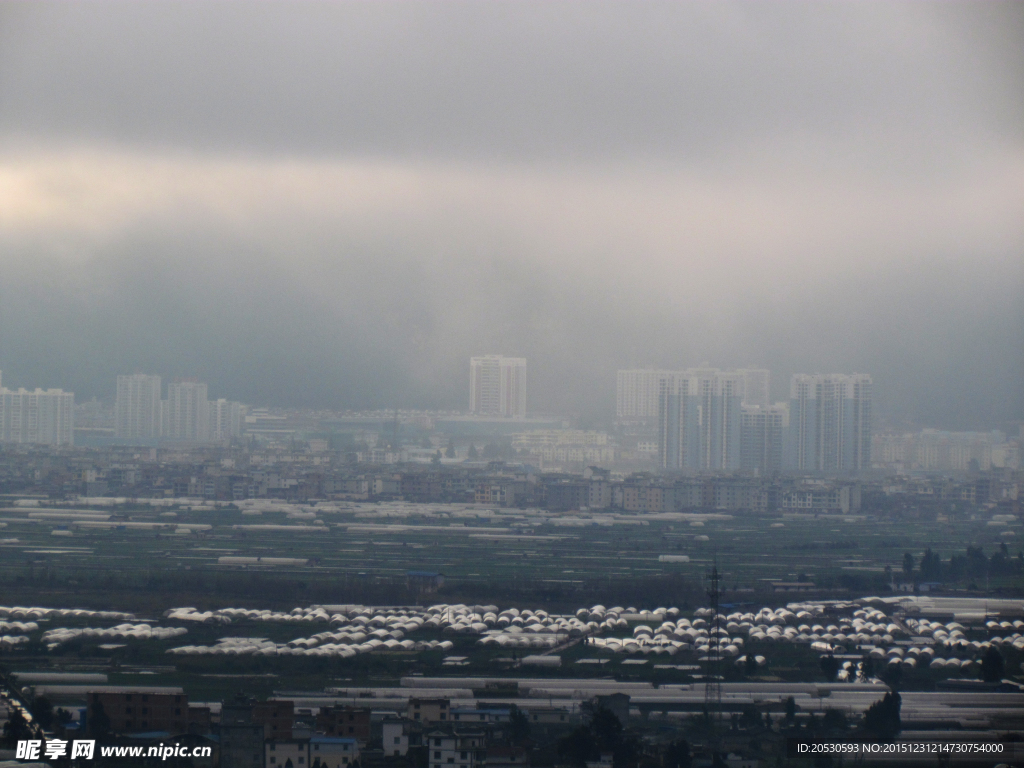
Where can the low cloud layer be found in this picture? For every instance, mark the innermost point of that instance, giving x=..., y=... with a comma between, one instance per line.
x=336, y=205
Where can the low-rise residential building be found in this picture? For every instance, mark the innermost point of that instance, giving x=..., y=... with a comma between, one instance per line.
x=277, y=716
x=139, y=710
x=286, y=753
x=461, y=749
x=480, y=715
x=395, y=737
x=428, y=710
x=346, y=722
x=332, y=752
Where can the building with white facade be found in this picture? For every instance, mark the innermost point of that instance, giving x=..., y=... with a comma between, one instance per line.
x=762, y=438
x=497, y=386
x=636, y=393
x=830, y=423
x=456, y=749
x=137, y=407
x=933, y=450
x=757, y=385
x=333, y=752
x=699, y=419
x=226, y=419
x=186, y=414
x=638, y=390
x=39, y=416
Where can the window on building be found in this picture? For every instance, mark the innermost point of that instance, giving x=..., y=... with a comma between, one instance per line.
x=398, y=739
x=273, y=760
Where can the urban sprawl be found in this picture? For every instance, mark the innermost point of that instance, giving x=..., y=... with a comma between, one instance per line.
x=711, y=578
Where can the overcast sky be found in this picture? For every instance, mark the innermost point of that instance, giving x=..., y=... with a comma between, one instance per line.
x=336, y=204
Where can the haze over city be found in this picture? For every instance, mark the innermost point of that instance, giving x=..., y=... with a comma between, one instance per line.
x=336, y=205
x=493, y=384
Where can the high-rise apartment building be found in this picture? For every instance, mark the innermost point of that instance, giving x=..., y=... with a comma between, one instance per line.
x=137, y=407
x=830, y=423
x=637, y=393
x=226, y=419
x=42, y=416
x=699, y=419
x=756, y=386
x=497, y=386
x=762, y=438
x=187, y=413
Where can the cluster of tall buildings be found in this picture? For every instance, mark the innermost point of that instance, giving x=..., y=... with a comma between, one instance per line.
x=187, y=414
x=714, y=420
x=42, y=416
x=497, y=386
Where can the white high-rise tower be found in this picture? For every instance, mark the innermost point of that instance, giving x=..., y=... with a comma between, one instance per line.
x=137, y=408
x=830, y=422
x=187, y=415
x=43, y=416
x=497, y=386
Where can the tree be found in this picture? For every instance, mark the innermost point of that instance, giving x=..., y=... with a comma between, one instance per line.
x=750, y=665
x=577, y=747
x=892, y=675
x=449, y=452
x=883, y=717
x=931, y=566
x=602, y=735
x=790, y=710
x=908, y=564
x=677, y=755
x=436, y=458
x=98, y=721
x=992, y=665
x=835, y=720
x=518, y=724
x=829, y=666
x=16, y=728
x=42, y=712
x=606, y=728
x=867, y=666
x=472, y=454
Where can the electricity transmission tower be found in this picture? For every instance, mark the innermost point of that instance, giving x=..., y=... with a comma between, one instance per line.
x=713, y=676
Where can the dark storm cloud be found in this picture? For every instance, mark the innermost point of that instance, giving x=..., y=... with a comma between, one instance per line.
x=338, y=204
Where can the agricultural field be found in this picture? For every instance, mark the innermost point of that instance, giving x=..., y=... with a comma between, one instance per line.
x=125, y=554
